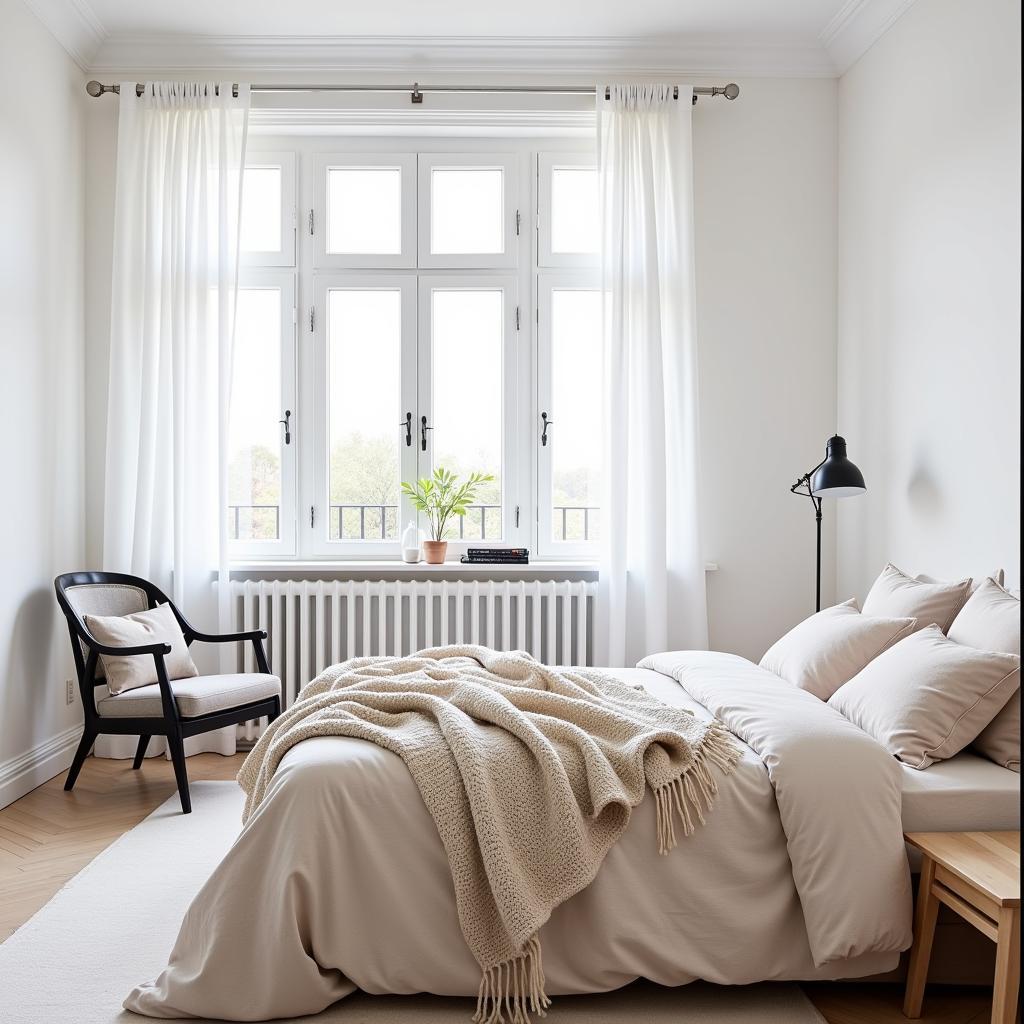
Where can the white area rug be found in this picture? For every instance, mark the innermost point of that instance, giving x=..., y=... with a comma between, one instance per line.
x=114, y=923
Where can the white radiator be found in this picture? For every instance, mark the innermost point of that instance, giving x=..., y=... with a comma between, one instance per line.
x=313, y=624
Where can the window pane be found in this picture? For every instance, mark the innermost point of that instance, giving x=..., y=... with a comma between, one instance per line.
x=364, y=345
x=254, y=442
x=574, y=222
x=576, y=414
x=466, y=210
x=364, y=210
x=467, y=337
x=260, y=230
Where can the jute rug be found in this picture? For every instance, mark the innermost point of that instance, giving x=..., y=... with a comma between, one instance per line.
x=114, y=923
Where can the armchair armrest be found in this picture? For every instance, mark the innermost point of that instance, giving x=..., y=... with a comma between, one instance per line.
x=224, y=638
x=127, y=652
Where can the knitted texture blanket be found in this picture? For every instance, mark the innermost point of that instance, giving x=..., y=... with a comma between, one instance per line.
x=530, y=774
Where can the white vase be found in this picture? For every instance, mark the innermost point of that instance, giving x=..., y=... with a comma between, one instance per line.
x=411, y=542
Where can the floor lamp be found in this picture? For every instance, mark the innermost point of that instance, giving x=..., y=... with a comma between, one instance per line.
x=834, y=477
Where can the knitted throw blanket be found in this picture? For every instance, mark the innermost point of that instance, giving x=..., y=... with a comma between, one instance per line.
x=530, y=775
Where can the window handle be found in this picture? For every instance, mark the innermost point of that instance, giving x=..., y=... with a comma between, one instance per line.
x=423, y=433
x=287, y=421
x=407, y=423
x=544, y=432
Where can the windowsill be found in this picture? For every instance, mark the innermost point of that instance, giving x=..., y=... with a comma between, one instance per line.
x=395, y=567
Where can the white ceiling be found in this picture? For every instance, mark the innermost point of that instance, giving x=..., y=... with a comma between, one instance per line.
x=801, y=37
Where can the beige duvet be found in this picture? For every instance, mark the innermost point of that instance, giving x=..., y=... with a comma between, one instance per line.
x=339, y=880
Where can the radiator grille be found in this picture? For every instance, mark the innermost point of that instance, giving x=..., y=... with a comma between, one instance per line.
x=313, y=624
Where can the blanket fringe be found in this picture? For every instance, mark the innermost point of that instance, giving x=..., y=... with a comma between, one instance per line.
x=512, y=990
x=693, y=793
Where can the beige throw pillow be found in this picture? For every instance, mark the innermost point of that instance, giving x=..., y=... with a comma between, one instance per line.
x=927, y=697
x=895, y=593
x=990, y=621
x=157, y=625
x=832, y=646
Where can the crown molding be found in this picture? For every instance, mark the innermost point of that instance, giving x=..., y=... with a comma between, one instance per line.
x=73, y=23
x=857, y=26
x=566, y=57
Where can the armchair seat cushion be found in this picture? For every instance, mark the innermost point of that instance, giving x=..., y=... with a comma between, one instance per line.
x=199, y=695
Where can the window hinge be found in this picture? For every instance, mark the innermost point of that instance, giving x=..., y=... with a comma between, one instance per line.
x=518, y=220
x=517, y=517
x=312, y=318
x=311, y=220
x=295, y=315
x=312, y=516
x=517, y=318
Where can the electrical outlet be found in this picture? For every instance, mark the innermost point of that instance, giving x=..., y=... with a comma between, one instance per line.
x=69, y=691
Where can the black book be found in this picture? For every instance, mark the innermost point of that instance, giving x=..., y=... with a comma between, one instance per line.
x=518, y=560
x=492, y=552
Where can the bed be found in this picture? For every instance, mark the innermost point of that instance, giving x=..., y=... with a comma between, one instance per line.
x=799, y=873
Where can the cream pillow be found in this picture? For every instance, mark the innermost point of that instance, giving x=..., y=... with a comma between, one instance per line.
x=999, y=576
x=832, y=646
x=157, y=625
x=990, y=621
x=927, y=697
x=895, y=593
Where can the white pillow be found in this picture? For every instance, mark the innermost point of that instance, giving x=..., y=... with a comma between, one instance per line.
x=990, y=621
x=157, y=625
x=999, y=576
x=927, y=697
x=895, y=593
x=832, y=646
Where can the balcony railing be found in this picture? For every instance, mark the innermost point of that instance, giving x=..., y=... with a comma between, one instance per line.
x=380, y=522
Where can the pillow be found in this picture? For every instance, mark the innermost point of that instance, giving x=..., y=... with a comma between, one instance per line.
x=895, y=593
x=157, y=625
x=832, y=646
x=927, y=697
x=990, y=621
x=999, y=576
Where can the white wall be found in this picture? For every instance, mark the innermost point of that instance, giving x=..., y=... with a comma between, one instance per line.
x=41, y=393
x=765, y=184
x=929, y=294
x=766, y=242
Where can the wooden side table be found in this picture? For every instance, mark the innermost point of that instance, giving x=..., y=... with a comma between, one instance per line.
x=977, y=874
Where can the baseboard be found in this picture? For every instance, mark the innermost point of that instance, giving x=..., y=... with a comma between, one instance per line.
x=20, y=775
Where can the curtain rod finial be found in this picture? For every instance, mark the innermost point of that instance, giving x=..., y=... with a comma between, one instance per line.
x=94, y=88
x=731, y=91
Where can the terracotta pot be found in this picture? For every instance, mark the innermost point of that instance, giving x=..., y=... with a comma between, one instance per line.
x=434, y=551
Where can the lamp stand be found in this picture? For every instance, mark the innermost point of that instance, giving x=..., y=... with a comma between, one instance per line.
x=803, y=486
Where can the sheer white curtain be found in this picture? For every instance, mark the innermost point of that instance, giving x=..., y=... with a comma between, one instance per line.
x=180, y=159
x=652, y=595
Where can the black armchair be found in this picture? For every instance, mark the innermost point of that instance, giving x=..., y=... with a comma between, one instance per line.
x=174, y=708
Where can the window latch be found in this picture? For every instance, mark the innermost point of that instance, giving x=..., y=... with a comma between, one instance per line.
x=544, y=431
x=407, y=423
x=287, y=422
x=423, y=433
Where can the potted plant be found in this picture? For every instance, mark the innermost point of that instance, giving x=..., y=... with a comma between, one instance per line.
x=439, y=498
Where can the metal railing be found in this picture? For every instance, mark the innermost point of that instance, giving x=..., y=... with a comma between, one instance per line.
x=375, y=521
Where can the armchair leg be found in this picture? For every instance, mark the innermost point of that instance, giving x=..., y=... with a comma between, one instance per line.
x=177, y=749
x=84, y=746
x=140, y=752
x=277, y=710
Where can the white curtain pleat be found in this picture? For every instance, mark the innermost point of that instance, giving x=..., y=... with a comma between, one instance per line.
x=651, y=592
x=180, y=160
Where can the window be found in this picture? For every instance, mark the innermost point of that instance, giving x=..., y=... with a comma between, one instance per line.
x=413, y=310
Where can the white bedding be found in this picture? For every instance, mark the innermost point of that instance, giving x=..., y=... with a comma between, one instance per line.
x=339, y=880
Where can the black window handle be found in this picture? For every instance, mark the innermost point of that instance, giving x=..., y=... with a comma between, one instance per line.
x=407, y=423
x=287, y=421
x=544, y=432
x=423, y=433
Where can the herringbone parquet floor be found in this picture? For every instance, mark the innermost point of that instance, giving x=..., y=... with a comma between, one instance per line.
x=48, y=835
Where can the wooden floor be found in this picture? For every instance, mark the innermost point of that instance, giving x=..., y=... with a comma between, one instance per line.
x=48, y=836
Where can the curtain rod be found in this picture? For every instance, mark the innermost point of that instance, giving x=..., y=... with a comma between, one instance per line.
x=417, y=92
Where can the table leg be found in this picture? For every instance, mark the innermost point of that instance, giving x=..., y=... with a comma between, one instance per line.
x=924, y=932
x=1007, y=983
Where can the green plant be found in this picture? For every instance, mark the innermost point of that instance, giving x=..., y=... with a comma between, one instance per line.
x=442, y=496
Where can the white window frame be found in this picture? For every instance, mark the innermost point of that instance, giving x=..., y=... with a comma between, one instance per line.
x=285, y=545
x=509, y=285
x=406, y=259
x=509, y=256
x=285, y=256
x=317, y=540
x=546, y=163
x=549, y=281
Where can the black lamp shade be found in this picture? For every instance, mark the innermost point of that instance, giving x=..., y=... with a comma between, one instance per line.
x=837, y=476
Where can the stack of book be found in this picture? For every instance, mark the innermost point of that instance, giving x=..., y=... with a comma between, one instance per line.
x=497, y=556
